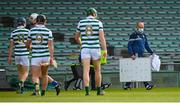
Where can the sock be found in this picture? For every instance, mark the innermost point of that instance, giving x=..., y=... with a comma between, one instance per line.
x=54, y=83
x=43, y=92
x=21, y=83
x=87, y=90
x=98, y=90
x=36, y=87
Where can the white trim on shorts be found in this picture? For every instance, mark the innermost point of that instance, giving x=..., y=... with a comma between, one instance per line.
x=22, y=60
x=93, y=54
x=40, y=61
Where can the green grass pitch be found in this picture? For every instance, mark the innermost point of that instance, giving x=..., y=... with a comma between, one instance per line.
x=111, y=95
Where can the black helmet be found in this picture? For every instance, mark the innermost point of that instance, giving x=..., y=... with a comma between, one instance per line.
x=91, y=11
x=21, y=21
x=41, y=18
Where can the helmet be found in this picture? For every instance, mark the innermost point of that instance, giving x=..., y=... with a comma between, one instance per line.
x=91, y=11
x=41, y=18
x=33, y=16
x=21, y=21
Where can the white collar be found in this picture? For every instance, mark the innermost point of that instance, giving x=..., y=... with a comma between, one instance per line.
x=90, y=17
x=19, y=27
x=39, y=25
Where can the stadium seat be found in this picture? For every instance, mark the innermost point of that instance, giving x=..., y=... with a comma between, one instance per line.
x=172, y=12
x=149, y=2
x=114, y=8
x=140, y=3
x=119, y=46
x=35, y=3
x=108, y=3
x=175, y=34
x=119, y=2
x=136, y=8
x=159, y=50
x=170, y=50
x=157, y=18
x=147, y=18
x=124, y=8
x=18, y=8
x=155, y=7
x=3, y=13
x=114, y=43
x=157, y=42
x=29, y=8
x=51, y=8
x=159, y=2
x=165, y=34
x=169, y=2
x=3, y=3
x=90, y=3
x=167, y=43
x=177, y=49
x=46, y=3
x=151, y=12
x=119, y=19
x=67, y=13
x=174, y=46
x=13, y=3
x=78, y=3
x=172, y=38
x=162, y=46
x=40, y=8
x=98, y=3
x=131, y=12
x=60, y=46
x=161, y=38
x=61, y=8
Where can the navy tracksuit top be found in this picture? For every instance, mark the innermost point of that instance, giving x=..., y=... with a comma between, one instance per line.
x=138, y=43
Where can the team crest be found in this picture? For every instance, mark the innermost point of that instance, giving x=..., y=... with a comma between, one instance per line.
x=89, y=30
x=39, y=38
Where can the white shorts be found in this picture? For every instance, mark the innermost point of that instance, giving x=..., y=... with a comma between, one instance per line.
x=22, y=60
x=93, y=54
x=40, y=61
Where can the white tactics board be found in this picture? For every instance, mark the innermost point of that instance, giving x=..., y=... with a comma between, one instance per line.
x=134, y=70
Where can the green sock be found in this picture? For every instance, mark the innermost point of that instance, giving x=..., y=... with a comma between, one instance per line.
x=87, y=90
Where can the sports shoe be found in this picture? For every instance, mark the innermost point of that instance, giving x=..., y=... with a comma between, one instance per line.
x=43, y=93
x=76, y=88
x=127, y=88
x=36, y=93
x=20, y=90
x=58, y=89
x=149, y=87
x=101, y=93
x=107, y=85
x=87, y=94
x=66, y=85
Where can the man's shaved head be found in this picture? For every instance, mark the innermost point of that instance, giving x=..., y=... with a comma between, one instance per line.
x=140, y=25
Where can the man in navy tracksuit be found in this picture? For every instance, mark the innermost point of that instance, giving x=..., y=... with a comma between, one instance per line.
x=136, y=47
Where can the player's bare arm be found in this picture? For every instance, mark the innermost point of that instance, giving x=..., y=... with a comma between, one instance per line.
x=77, y=37
x=51, y=50
x=103, y=42
x=10, y=52
x=28, y=44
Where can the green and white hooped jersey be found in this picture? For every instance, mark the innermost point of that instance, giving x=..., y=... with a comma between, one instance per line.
x=40, y=35
x=89, y=29
x=19, y=36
